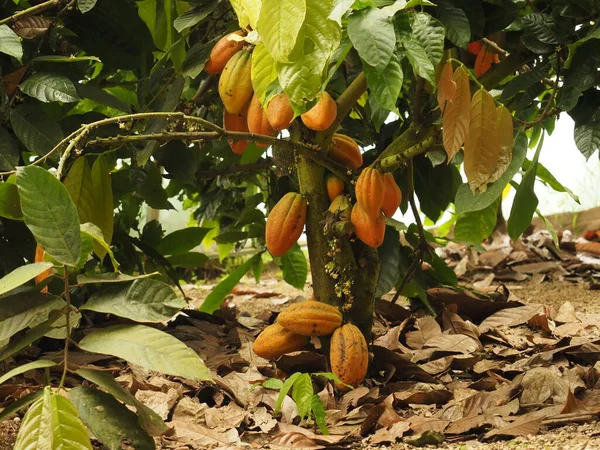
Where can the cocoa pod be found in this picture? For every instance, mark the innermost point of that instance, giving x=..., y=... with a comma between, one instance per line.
x=348, y=356
x=236, y=122
x=257, y=120
x=335, y=186
x=39, y=257
x=322, y=115
x=285, y=223
x=235, y=84
x=310, y=318
x=341, y=207
x=370, y=230
x=275, y=341
x=392, y=196
x=345, y=150
x=369, y=190
x=280, y=112
x=222, y=52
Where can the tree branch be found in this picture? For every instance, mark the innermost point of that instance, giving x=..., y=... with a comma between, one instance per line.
x=234, y=170
x=30, y=11
x=391, y=163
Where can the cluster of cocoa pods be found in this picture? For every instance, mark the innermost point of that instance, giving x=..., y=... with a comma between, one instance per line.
x=348, y=351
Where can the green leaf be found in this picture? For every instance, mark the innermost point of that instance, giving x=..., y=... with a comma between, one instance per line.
x=257, y=269
x=111, y=277
x=85, y=5
x=594, y=34
x=63, y=59
x=80, y=186
x=419, y=60
x=9, y=151
x=151, y=421
x=373, y=36
x=190, y=260
x=23, y=402
x=194, y=16
x=24, y=309
x=389, y=257
x=213, y=301
x=195, y=59
x=108, y=420
x=287, y=385
x=264, y=71
x=429, y=33
x=456, y=23
x=273, y=383
x=182, y=241
x=302, y=393
x=103, y=210
x=587, y=138
x=279, y=24
x=10, y=204
x=10, y=44
x=144, y=300
x=94, y=233
x=50, y=87
x=50, y=214
x=465, y=200
x=385, y=85
x=475, y=226
x=231, y=237
x=339, y=9
x=37, y=131
x=39, y=364
x=525, y=201
x=51, y=423
x=22, y=275
x=32, y=335
x=320, y=414
x=149, y=348
x=294, y=267
x=549, y=180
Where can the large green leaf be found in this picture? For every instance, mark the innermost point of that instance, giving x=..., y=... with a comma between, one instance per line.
x=108, y=420
x=456, y=23
x=103, y=210
x=85, y=5
x=39, y=364
x=190, y=260
x=25, y=309
x=429, y=33
x=195, y=15
x=22, y=275
x=339, y=9
x=93, y=234
x=475, y=226
x=50, y=214
x=389, y=257
x=373, y=36
x=33, y=334
x=50, y=87
x=37, y=131
x=195, y=59
x=144, y=300
x=23, y=402
x=264, y=71
x=587, y=138
x=110, y=278
x=9, y=151
x=294, y=267
x=385, y=85
x=213, y=301
x=302, y=393
x=10, y=204
x=80, y=186
x=10, y=44
x=279, y=24
x=52, y=423
x=550, y=180
x=148, y=347
x=182, y=241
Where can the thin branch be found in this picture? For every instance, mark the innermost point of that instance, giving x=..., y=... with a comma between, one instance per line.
x=391, y=163
x=68, y=327
x=495, y=46
x=234, y=170
x=30, y=11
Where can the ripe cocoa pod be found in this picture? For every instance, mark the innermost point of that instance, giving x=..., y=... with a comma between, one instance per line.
x=369, y=190
x=321, y=116
x=275, y=341
x=280, y=112
x=341, y=207
x=257, y=120
x=345, y=150
x=335, y=186
x=236, y=122
x=285, y=223
x=222, y=52
x=39, y=257
x=348, y=355
x=392, y=196
x=235, y=84
x=310, y=318
x=370, y=230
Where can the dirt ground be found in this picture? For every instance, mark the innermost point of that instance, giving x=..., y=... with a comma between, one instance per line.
x=554, y=294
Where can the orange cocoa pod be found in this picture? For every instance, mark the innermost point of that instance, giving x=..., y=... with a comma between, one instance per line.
x=235, y=84
x=257, y=120
x=370, y=230
x=310, y=318
x=39, y=257
x=348, y=356
x=335, y=186
x=280, y=112
x=285, y=223
x=321, y=116
x=222, y=52
x=369, y=191
x=275, y=341
x=342, y=207
x=392, y=196
x=345, y=150
x=236, y=122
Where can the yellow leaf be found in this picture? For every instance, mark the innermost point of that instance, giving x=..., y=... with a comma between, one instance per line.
x=505, y=138
x=455, y=121
x=446, y=87
x=482, y=147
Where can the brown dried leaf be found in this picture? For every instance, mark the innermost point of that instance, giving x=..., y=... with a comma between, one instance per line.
x=225, y=417
x=456, y=325
x=391, y=434
x=405, y=369
x=391, y=311
x=523, y=426
x=160, y=402
x=505, y=137
x=482, y=147
x=566, y=314
x=543, y=383
x=510, y=317
x=446, y=87
x=13, y=79
x=454, y=343
x=427, y=328
x=573, y=405
x=455, y=123
x=199, y=435
x=31, y=27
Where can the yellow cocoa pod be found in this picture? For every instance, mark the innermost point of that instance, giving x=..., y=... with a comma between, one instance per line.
x=39, y=257
x=235, y=84
x=257, y=120
x=370, y=230
x=335, y=186
x=392, y=196
x=348, y=355
x=222, y=52
x=321, y=116
x=369, y=191
x=280, y=112
x=285, y=223
x=236, y=122
x=341, y=206
x=275, y=341
x=310, y=318
x=345, y=150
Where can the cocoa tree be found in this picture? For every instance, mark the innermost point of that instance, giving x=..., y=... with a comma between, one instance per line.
x=102, y=101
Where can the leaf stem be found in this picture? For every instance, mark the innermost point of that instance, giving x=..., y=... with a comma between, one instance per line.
x=68, y=327
x=30, y=11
